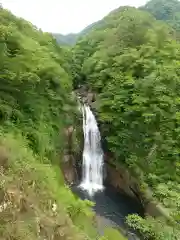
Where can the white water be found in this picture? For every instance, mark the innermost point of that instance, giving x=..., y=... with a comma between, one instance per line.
x=92, y=169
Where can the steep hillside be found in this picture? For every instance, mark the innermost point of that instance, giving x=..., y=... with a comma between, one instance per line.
x=131, y=61
x=165, y=10
x=72, y=38
x=69, y=39
x=35, y=95
x=37, y=106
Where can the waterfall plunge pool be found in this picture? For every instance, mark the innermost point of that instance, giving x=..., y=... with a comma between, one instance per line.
x=111, y=208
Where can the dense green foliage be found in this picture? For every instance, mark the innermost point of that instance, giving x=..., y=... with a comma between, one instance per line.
x=35, y=85
x=132, y=61
x=29, y=189
x=37, y=105
x=166, y=10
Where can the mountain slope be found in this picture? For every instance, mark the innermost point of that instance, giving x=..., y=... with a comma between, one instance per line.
x=69, y=39
x=36, y=106
x=131, y=61
x=72, y=38
x=165, y=10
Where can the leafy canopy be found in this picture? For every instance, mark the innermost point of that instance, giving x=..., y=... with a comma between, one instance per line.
x=132, y=61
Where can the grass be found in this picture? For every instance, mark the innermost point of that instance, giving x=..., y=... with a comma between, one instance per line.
x=34, y=202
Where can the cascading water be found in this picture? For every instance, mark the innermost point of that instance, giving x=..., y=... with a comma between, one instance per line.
x=92, y=169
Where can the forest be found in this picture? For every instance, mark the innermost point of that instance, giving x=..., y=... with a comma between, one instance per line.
x=36, y=105
x=131, y=60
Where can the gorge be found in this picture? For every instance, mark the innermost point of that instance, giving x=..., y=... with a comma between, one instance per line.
x=124, y=158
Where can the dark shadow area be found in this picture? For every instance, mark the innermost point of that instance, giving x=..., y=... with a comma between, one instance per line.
x=113, y=207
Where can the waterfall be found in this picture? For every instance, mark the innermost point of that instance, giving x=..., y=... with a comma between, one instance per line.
x=92, y=168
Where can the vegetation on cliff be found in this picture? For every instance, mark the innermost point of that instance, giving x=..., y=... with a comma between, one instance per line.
x=165, y=10
x=37, y=105
x=132, y=61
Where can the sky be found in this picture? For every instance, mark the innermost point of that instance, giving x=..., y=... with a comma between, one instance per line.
x=65, y=16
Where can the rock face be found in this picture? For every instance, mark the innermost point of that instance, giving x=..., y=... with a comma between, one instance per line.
x=70, y=162
x=121, y=179
x=87, y=96
x=69, y=169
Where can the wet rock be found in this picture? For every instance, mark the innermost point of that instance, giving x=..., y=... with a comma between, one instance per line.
x=121, y=179
x=86, y=94
x=70, y=162
x=69, y=169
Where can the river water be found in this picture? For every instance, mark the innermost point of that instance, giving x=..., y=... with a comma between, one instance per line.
x=111, y=209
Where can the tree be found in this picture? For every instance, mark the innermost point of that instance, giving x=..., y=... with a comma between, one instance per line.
x=132, y=61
